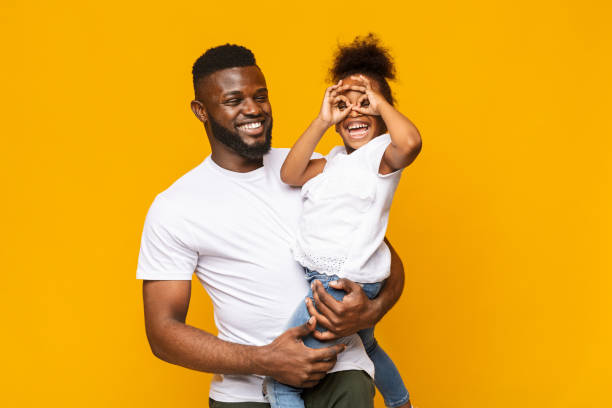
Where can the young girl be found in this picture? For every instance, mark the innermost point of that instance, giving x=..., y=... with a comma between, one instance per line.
x=347, y=196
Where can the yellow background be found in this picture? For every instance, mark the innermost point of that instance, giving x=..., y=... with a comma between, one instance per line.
x=503, y=222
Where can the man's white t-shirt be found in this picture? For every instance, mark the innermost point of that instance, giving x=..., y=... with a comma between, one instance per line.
x=235, y=230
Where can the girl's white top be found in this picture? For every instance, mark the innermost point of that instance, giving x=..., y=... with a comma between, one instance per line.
x=345, y=215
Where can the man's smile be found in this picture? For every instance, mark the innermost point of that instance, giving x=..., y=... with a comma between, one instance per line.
x=252, y=128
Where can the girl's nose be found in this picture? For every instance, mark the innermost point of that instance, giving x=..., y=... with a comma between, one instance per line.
x=354, y=114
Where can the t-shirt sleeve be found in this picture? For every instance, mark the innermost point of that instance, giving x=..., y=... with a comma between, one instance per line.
x=376, y=150
x=334, y=152
x=164, y=250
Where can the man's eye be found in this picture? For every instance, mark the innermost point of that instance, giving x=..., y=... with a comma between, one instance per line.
x=262, y=98
x=233, y=101
x=341, y=105
x=365, y=103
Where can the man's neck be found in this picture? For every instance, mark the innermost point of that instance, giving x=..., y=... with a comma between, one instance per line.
x=231, y=161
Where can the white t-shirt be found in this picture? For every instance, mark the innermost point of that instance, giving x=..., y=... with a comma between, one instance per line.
x=345, y=215
x=235, y=231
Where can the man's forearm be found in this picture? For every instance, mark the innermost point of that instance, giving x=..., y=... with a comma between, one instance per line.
x=166, y=304
x=286, y=359
x=393, y=288
x=178, y=343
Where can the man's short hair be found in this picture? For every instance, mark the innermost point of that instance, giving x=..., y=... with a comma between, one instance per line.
x=221, y=57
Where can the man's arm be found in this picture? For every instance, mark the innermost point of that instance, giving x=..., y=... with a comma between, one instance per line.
x=286, y=359
x=355, y=311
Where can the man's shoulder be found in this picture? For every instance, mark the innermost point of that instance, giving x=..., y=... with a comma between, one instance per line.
x=277, y=155
x=188, y=182
x=279, y=151
x=184, y=190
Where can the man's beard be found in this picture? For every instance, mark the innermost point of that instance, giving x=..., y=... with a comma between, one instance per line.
x=232, y=140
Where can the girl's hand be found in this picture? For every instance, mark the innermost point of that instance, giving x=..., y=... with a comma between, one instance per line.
x=369, y=103
x=335, y=107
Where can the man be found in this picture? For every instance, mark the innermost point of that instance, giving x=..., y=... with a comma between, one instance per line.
x=231, y=220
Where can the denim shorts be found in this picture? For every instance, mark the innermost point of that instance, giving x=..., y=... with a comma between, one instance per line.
x=370, y=289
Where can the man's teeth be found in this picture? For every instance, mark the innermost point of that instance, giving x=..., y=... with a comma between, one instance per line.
x=253, y=125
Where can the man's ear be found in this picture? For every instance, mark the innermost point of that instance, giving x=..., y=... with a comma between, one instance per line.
x=198, y=109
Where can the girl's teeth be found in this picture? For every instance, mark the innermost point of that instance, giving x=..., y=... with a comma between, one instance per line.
x=358, y=131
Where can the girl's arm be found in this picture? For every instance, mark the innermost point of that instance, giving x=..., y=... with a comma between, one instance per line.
x=405, y=138
x=298, y=167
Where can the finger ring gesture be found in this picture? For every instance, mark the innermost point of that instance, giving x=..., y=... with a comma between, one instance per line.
x=335, y=106
x=371, y=100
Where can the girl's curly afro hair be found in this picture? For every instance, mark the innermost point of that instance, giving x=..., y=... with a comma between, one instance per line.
x=365, y=55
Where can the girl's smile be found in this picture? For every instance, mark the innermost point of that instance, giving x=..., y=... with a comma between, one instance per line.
x=358, y=129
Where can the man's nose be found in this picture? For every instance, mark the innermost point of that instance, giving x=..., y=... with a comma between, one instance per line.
x=251, y=107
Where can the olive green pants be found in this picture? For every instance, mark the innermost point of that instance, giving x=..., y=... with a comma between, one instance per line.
x=342, y=389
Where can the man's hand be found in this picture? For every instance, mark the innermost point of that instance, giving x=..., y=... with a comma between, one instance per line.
x=353, y=313
x=290, y=362
x=356, y=311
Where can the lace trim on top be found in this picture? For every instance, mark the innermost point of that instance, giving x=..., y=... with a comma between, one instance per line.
x=329, y=265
